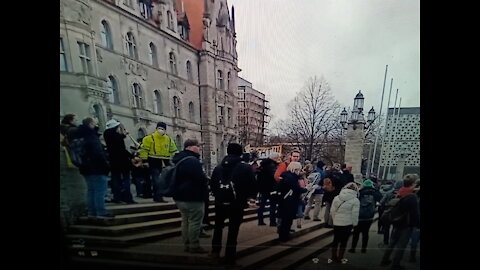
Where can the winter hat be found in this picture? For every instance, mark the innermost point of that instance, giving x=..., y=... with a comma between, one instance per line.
x=352, y=186
x=162, y=124
x=368, y=183
x=234, y=149
x=112, y=123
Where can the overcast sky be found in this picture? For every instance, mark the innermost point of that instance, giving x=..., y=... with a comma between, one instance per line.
x=281, y=43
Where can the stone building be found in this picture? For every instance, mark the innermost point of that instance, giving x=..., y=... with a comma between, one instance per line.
x=252, y=114
x=145, y=61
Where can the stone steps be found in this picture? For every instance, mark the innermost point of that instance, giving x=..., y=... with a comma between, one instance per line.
x=253, y=253
x=135, y=233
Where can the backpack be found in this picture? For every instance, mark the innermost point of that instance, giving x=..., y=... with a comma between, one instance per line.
x=166, y=181
x=328, y=185
x=393, y=213
x=77, y=151
x=226, y=193
x=367, y=206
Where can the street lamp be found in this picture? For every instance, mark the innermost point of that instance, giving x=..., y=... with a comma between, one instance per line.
x=357, y=116
x=355, y=136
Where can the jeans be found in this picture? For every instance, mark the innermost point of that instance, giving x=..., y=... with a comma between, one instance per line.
x=192, y=215
x=317, y=198
x=414, y=239
x=96, y=190
x=398, y=241
x=273, y=207
x=121, y=185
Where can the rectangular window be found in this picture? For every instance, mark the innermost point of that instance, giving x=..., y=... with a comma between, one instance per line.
x=220, y=115
x=63, y=58
x=229, y=116
x=85, y=58
x=128, y=3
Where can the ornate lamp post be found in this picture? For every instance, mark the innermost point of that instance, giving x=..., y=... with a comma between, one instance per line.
x=355, y=136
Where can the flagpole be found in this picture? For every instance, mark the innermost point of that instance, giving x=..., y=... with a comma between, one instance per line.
x=379, y=116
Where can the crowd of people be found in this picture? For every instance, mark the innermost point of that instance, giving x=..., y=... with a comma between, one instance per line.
x=290, y=189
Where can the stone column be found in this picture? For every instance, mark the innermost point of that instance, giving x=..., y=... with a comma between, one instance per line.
x=400, y=167
x=354, y=149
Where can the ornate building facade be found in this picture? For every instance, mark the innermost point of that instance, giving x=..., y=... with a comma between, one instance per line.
x=145, y=61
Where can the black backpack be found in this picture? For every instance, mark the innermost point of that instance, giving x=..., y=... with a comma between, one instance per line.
x=77, y=151
x=367, y=206
x=167, y=179
x=226, y=193
x=393, y=213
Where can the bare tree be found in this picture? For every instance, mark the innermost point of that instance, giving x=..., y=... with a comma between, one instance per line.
x=313, y=115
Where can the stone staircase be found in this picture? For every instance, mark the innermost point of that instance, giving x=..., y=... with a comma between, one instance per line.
x=147, y=236
x=135, y=224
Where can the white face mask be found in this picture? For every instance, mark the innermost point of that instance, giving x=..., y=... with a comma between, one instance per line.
x=161, y=131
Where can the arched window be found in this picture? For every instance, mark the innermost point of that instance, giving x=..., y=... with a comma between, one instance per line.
x=178, y=141
x=189, y=71
x=220, y=79
x=228, y=80
x=106, y=35
x=176, y=107
x=131, y=45
x=173, y=63
x=153, y=55
x=113, y=90
x=141, y=133
x=99, y=115
x=145, y=10
x=158, y=102
x=137, y=96
x=170, y=20
x=191, y=112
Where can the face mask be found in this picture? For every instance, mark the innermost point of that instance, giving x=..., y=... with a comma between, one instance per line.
x=161, y=131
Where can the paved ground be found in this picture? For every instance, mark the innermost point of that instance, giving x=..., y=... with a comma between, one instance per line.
x=360, y=261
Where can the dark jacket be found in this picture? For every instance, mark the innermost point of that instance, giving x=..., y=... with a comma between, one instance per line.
x=409, y=203
x=119, y=156
x=368, y=191
x=289, y=205
x=333, y=175
x=68, y=131
x=191, y=183
x=241, y=175
x=346, y=177
x=322, y=176
x=96, y=159
x=265, y=178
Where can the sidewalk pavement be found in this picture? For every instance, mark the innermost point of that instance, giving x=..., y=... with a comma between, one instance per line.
x=362, y=261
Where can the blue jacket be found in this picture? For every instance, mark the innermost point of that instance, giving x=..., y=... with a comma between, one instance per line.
x=322, y=176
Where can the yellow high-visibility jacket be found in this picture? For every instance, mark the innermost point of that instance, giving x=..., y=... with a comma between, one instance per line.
x=157, y=146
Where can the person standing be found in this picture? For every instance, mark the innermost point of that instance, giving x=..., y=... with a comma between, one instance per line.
x=266, y=183
x=190, y=190
x=232, y=184
x=120, y=161
x=156, y=151
x=282, y=167
x=402, y=230
x=94, y=168
x=290, y=189
x=345, y=208
x=317, y=195
x=68, y=127
x=369, y=196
